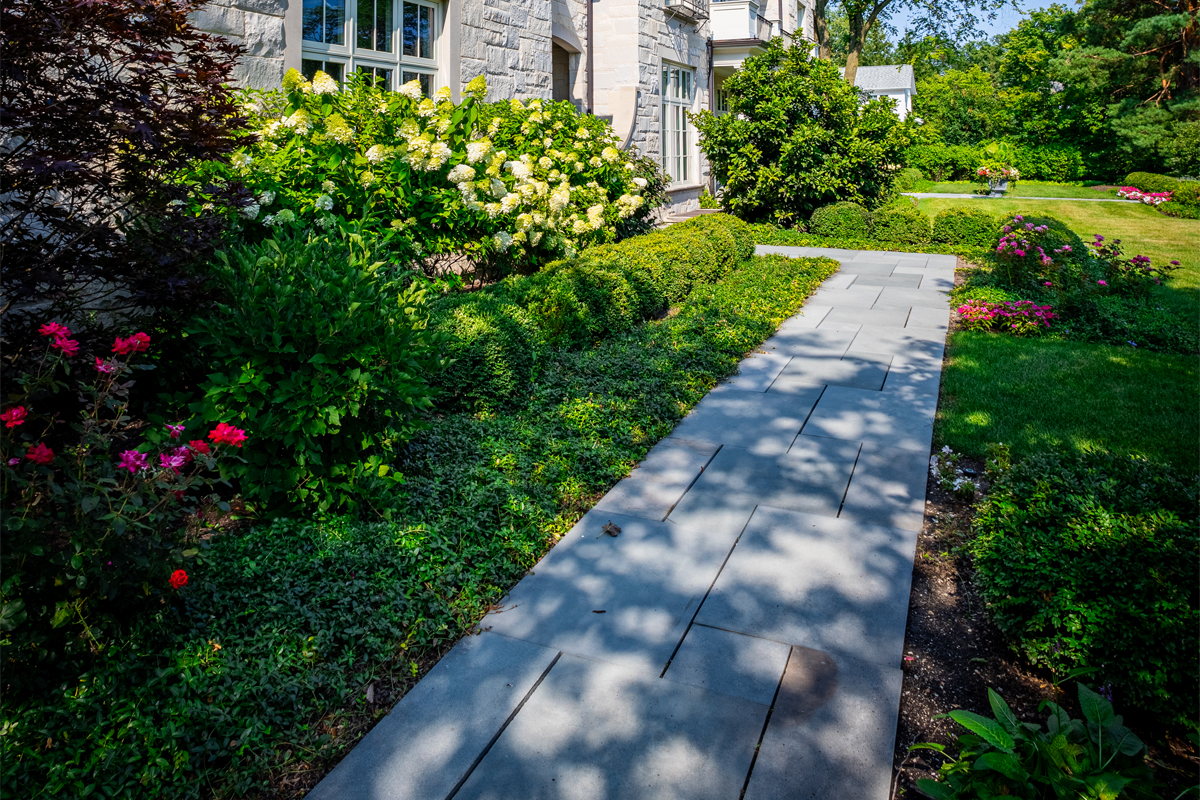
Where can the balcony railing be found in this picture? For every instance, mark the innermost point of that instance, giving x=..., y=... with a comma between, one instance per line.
x=693, y=10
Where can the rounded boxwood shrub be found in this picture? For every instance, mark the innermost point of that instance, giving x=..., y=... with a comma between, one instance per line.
x=492, y=347
x=900, y=224
x=972, y=227
x=1152, y=182
x=1090, y=560
x=578, y=303
x=844, y=220
x=722, y=225
x=907, y=179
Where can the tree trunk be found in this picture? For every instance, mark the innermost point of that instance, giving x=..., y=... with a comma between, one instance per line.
x=858, y=39
x=821, y=30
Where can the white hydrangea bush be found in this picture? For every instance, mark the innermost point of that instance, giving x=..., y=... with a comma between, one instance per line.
x=515, y=183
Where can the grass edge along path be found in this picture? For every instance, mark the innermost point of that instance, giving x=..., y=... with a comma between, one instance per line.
x=256, y=679
x=1035, y=394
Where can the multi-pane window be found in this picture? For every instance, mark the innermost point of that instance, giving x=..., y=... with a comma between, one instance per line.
x=677, y=92
x=392, y=41
x=801, y=10
x=721, y=102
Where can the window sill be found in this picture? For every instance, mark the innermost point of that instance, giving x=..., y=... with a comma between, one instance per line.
x=684, y=187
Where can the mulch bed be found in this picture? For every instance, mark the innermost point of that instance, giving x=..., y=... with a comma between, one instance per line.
x=953, y=653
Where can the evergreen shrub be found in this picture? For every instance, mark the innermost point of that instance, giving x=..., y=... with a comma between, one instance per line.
x=900, y=225
x=842, y=221
x=1152, y=182
x=965, y=226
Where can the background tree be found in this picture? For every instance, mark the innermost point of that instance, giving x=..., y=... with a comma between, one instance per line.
x=954, y=19
x=101, y=104
x=797, y=137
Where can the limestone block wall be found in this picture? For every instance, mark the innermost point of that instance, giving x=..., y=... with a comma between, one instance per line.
x=508, y=41
x=257, y=25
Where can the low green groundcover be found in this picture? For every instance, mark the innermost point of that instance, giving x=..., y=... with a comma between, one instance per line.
x=1091, y=560
x=284, y=625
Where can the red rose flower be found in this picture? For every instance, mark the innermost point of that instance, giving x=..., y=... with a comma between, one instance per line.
x=178, y=579
x=41, y=454
x=199, y=446
x=13, y=417
x=225, y=433
x=138, y=343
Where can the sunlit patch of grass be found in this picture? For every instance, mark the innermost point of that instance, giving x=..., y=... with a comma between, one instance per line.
x=1036, y=394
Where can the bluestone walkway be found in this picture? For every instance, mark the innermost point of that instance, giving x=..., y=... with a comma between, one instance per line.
x=743, y=634
x=936, y=195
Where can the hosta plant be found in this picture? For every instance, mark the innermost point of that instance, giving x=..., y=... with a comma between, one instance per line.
x=1096, y=758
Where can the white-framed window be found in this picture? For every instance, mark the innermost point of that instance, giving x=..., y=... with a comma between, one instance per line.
x=801, y=10
x=678, y=90
x=721, y=102
x=394, y=41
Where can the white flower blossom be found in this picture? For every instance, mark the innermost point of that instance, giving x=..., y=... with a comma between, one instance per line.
x=327, y=186
x=545, y=162
x=560, y=198
x=426, y=108
x=268, y=220
x=580, y=226
x=267, y=197
x=439, y=154
x=241, y=160
x=611, y=154
x=492, y=209
x=324, y=202
x=411, y=90
x=520, y=170
x=442, y=94
x=641, y=183
x=595, y=161
x=377, y=152
x=461, y=173
x=494, y=127
x=478, y=151
x=251, y=211
x=324, y=84
x=503, y=240
x=579, y=166
x=498, y=188
x=534, y=238
x=367, y=179
x=324, y=222
x=287, y=215
x=524, y=221
x=509, y=202
x=595, y=216
x=583, y=133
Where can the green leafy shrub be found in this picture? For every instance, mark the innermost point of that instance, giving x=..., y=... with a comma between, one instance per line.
x=908, y=179
x=1179, y=210
x=983, y=293
x=1095, y=758
x=900, y=225
x=966, y=226
x=1151, y=182
x=707, y=200
x=1135, y=321
x=944, y=162
x=323, y=355
x=286, y=626
x=1184, y=202
x=510, y=185
x=605, y=291
x=844, y=220
x=1091, y=561
x=1050, y=162
x=1034, y=251
x=797, y=137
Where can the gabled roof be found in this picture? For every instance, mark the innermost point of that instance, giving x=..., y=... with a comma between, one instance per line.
x=890, y=77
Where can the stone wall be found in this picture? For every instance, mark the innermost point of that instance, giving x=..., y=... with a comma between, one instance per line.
x=508, y=41
x=257, y=25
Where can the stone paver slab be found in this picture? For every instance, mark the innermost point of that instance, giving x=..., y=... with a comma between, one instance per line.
x=595, y=730
x=902, y=281
x=863, y=373
x=648, y=582
x=807, y=579
x=893, y=297
x=730, y=663
x=938, y=283
x=655, y=486
x=886, y=419
x=762, y=423
x=808, y=317
x=812, y=476
x=832, y=732
x=861, y=296
x=839, y=280
x=926, y=342
x=758, y=371
x=811, y=342
x=425, y=746
x=888, y=488
x=914, y=374
x=883, y=317
x=937, y=318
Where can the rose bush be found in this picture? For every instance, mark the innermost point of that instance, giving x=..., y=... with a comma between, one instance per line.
x=1019, y=317
x=510, y=185
x=93, y=510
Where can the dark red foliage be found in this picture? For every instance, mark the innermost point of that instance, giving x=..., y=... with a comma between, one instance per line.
x=100, y=102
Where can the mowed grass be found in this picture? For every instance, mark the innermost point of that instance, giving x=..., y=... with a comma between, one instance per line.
x=1020, y=189
x=1140, y=228
x=1036, y=394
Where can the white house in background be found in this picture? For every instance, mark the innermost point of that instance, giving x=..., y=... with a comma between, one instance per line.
x=642, y=64
x=895, y=82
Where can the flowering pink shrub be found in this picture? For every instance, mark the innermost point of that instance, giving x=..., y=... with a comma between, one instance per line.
x=1149, y=198
x=1035, y=250
x=92, y=518
x=1134, y=275
x=1018, y=317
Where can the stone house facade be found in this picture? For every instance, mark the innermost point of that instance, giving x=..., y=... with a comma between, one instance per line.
x=642, y=64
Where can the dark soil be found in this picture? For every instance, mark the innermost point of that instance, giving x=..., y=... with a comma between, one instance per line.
x=953, y=654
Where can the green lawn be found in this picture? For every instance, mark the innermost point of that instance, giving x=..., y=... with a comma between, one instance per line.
x=1035, y=394
x=1019, y=189
x=1140, y=228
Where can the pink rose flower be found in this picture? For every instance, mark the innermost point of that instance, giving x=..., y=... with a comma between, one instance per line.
x=133, y=461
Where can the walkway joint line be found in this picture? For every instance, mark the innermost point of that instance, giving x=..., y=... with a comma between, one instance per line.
x=766, y=722
x=499, y=733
